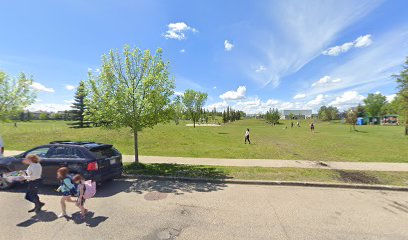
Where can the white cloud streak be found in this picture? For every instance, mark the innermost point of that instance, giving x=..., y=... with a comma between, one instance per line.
x=362, y=41
x=178, y=31
x=234, y=95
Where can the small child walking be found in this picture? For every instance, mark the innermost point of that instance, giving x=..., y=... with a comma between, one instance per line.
x=80, y=181
x=247, y=136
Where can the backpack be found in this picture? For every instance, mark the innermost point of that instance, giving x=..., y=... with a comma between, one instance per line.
x=90, y=189
x=73, y=191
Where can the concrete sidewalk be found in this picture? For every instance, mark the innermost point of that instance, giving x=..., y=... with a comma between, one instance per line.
x=271, y=163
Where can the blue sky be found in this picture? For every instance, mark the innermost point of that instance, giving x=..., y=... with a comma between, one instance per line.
x=251, y=55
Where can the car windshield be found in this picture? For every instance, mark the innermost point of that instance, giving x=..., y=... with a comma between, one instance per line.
x=104, y=152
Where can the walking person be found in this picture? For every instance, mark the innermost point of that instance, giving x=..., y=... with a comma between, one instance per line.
x=34, y=172
x=67, y=188
x=291, y=124
x=298, y=124
x=312, y=127
x=80, y=202
x=247, y=136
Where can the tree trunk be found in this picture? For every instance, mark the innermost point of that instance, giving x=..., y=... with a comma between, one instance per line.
x=136, y=147
x=194, y=122
x=406, y=129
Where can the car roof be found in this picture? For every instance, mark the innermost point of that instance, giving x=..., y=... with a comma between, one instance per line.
x=88, y=145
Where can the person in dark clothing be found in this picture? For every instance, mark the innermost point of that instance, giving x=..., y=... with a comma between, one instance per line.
x=247, y=136
x=312, y=127
x=291, y=124
x=33, y=177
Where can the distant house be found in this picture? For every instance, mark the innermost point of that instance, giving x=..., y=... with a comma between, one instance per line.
x=297, y=114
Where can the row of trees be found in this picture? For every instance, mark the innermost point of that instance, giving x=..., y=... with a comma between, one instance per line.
x=231, y=115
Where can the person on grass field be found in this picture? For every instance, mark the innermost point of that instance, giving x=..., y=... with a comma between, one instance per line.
x=34, y=172
x=247, y=136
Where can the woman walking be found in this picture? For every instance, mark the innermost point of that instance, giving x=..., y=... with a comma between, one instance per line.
x=34, y=172
x=247, y=136
x=67, y=188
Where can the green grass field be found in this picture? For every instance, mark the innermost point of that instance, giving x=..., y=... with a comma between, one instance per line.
x=270, y=174
x=330, y=142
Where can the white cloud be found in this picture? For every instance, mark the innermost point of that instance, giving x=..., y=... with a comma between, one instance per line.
x=69, y=87
x=228, y=45
x=391, y=97
x=178, y=93
x=183, y=50
x=362, y=41
x=302, y=30
x=69, y=101
x=261, y=68
x=371, y=69
x=41, y=88
x=318, y=101
x=220, y=106
x=215, y=87
x=178, y=31
x=234, y=95
x=299, y=96
x=325, y=81
x=347, y=99
x=49, y=107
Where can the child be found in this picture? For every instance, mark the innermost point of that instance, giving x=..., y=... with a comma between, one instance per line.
x=34, y=172
x=80, y=181
x=67, y=188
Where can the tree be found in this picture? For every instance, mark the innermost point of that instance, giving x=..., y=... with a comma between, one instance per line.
x=133, y=90
x=194, y=101
x=178, y=109
x=328, y=113
x=272, y=116
x=402, y=81
x=361, y=111
x=79, y=107
x=374, y=103
x=352, y=118
x=15, y=93
x=44, y=116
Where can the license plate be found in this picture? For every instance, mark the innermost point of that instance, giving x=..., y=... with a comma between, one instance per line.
x=113, y=161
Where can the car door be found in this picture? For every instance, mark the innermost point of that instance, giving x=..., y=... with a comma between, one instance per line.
x=56, y=158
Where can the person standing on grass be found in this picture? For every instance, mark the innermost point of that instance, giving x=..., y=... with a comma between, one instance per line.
x=67, y=188
x=247, y=136
x=34, y=172
x=291, y=124
x=312, y=127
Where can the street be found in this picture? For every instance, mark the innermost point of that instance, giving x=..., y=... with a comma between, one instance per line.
x=152, y=209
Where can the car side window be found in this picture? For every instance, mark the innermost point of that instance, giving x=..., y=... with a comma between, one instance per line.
x=58, y=152
x=73, y=152
x=41, y=152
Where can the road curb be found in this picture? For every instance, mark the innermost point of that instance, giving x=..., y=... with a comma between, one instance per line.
x=271, y=183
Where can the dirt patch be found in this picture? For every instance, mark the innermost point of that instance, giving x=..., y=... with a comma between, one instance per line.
x=357, y=177
x=154, y=196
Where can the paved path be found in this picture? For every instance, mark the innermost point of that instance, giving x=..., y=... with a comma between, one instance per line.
x=149, y=209
x=370, y=166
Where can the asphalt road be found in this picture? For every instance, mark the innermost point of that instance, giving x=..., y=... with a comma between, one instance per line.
x=150, y=209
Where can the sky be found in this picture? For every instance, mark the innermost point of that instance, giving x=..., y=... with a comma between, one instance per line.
x=250, y=55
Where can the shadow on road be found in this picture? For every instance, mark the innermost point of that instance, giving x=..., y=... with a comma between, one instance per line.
x=90, y=220
x=165, y=186
x=43, y=216
x=112, y=188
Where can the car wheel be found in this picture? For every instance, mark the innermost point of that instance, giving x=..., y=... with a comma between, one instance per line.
x=3, y=183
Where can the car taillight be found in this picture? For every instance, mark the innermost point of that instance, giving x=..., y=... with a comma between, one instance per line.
x=92, y=166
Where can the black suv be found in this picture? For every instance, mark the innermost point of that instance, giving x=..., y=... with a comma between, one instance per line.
x=96, y=161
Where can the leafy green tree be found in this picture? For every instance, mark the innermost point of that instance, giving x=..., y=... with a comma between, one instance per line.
x=194, y=101
x=328, y=113
x=361, y=111
x=402, y=81
x=178, y=109
x=44, y=116
x=374, y=103
x=352, y=118
x=79, y=108
x=272, y=116
x=133, y=90
x=15, y=93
